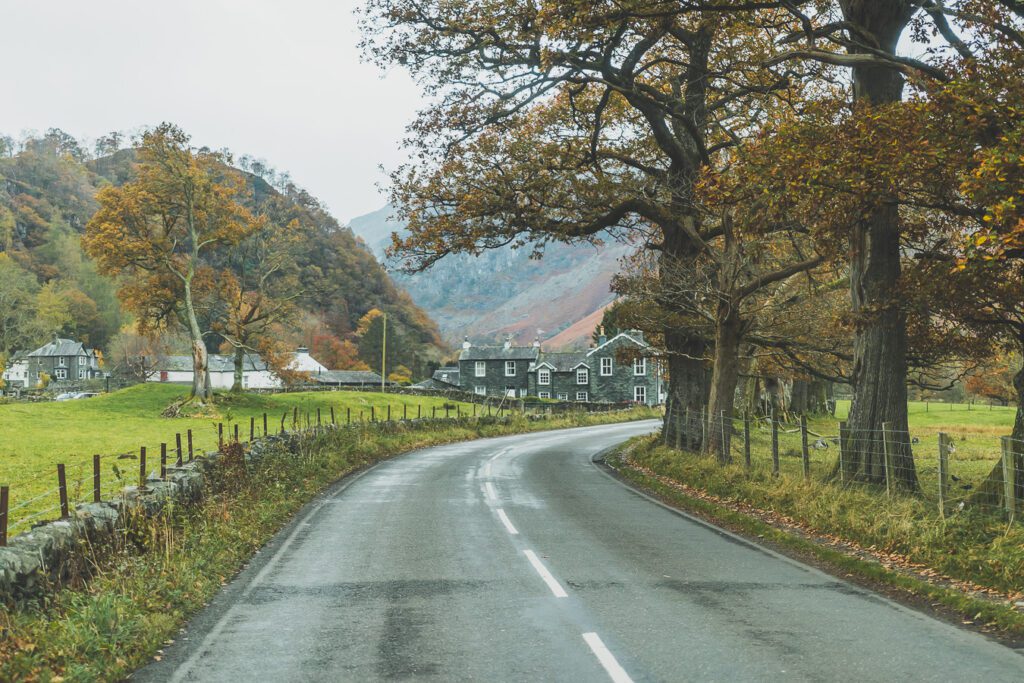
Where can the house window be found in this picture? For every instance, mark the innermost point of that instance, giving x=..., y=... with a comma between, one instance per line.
x=510, y=368
x=62, y=361
x=81, y=374
x=62, y=373
x=563, y=397
x=480, y=368
x=544, y=376
x=544, y=394
x=510, y=392
x=81, y=360
x=522, y=393
x=480, y=390
x=606, y=367
x=640, y=394
x=581, y=396
x=640, y=366
x=582, y=376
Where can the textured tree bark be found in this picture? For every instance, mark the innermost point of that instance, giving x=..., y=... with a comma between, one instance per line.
x=236, y=385
x=991, y=492
x=724, y=376
x=200, y=358
x=880, y=343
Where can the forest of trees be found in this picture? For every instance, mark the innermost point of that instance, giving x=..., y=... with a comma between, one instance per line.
x=282, y=272
x=821, y=191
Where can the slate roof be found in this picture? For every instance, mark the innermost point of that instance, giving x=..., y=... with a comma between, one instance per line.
x=499, y=353
x=216, y=363
x=447, y=376
x=562, y=362
x=340, y=377
x=60, y=347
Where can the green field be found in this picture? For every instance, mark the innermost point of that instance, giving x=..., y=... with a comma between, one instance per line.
x=35, y=437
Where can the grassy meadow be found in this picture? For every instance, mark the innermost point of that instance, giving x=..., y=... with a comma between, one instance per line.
x=35, y=437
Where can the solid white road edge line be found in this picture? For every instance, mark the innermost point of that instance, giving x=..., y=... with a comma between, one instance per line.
x=507, y=522
x=550, y=580
x=491, y=493
x=607, y=659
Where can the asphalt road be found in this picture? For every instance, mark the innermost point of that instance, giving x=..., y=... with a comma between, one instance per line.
x=519, y=559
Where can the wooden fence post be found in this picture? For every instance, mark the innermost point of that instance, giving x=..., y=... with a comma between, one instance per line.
x=348, y=415
x=943, y=472
x=177, y=447
x=446, y=411
x=142, y=468
x=389, y=412
x=775, y=446
x=405, y=411
x=62, y=490
x=190, y=445
x=220, y=435
x=295, y=417
x=163, y=461
x=419, y=410
x=264, y=424
x=842, y=446
x=318, y=420
x=887, y=447
x=805, y=452
x=96, y=478
x=746, y=439
x=236, y=433
x=252, y=428
x=433, y=412
x=5, y=498
x=1009, y=479
x=373, y=414
x=332, y=416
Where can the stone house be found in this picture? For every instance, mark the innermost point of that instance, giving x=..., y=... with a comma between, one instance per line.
x=64, y=360
x=16, y=371
x=443, y=379
x=618, y=370
x=497, y=370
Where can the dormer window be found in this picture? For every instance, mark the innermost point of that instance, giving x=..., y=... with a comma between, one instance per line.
x=582, y=376
x=544, y=377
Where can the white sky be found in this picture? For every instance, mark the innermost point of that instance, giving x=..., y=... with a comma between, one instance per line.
x=279, y=80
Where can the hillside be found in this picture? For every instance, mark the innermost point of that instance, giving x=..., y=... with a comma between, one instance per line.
x=48, y=285
x=504, y=291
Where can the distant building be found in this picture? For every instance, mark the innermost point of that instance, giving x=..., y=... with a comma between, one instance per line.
x=347, y=378
x=443, y=379
x=63, y=360
x=618, y=370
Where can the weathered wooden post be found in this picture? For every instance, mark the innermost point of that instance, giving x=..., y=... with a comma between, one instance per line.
x=265, y=424
x=943, y=472
x=348, y=415
x=295, y=417
x=5, y=499
x=805, y=452
x=842, y=446
x=62, y=490
x=96, y=478
x=775, y=446
x=887, y=451
x=318, y=420
x=389, y=412
x=177, y=449
x=220, y=435
x=252, y=428
x=1009, y=479
x=163, y=461
x=746, y=439
x=405, y=412
x=433, y=412
x=142, y=468
x=446, y=413
x=419, y=410
x=332, y=416
x=284, y=416
x=236, y=433
x=373, y=414
x=189, y=432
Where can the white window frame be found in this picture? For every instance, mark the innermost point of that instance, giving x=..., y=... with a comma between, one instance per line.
x=640, y=394
x=480, y=369
x=510, y=365
x=81, y=374
x=607, y=366
x=81, y=360
x=582, y=376
x=60, y=373
x=563, y=397
x=522, y=393
x=640, y=367
x=480, y=390
x=581, y=396
x=62, y=361
x=543, y=394
x=544, y=377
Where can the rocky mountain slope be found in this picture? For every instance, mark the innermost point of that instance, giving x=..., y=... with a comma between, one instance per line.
x=505, y=292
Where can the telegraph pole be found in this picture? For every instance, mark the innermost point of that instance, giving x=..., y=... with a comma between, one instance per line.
x=384, y=354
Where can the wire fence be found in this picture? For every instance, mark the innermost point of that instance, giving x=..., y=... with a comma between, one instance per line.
x=951, y=473
x=54, y=491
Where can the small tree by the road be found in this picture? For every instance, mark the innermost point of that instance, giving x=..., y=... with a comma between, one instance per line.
x=154, y=232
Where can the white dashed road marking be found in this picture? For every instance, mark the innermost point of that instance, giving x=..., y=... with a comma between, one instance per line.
x=507, y=522
x=607, y=659
x=550, y=580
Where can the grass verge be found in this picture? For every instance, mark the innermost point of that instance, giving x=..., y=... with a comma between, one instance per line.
x=971, y=565
x=146, y=588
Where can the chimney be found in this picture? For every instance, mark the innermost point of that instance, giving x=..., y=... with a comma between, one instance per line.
x=466, y=345
x=508, y=342
x=536, y=342
x=639, y=334
x=601, y=338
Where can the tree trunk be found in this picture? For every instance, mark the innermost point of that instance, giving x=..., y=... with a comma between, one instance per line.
x=991, y=492
x=880, y=343
x=724, y=377
x=200, y=358
x=687, y=389
x=236, y=386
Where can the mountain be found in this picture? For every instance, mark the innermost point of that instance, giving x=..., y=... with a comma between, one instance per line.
x=504, y=291
x=48, y=284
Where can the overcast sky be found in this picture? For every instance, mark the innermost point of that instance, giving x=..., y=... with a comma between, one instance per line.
x=280, y=80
